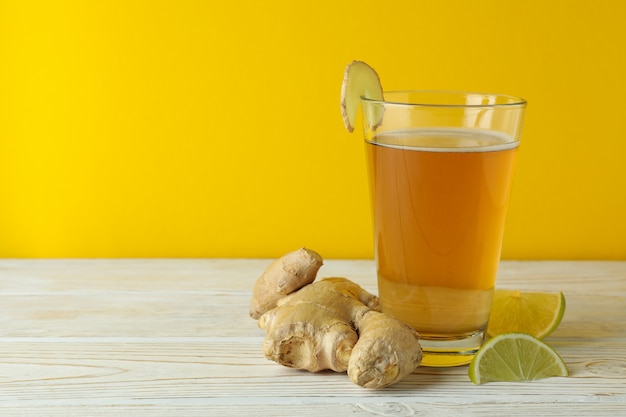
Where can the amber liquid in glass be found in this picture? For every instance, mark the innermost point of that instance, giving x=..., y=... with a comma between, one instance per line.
x=439, y=200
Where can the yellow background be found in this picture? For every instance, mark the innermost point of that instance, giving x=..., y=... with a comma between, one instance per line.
x=212, y=128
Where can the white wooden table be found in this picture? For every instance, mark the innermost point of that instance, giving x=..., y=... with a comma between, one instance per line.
x=173, y=338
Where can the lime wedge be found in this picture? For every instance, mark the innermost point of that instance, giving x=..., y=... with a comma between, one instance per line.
x=515, y=357
x=534, y=313
x=359, y=80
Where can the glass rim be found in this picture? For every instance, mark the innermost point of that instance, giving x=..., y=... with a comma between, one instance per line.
x=511, y=100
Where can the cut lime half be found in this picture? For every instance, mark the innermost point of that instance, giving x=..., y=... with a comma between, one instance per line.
x=534, y=313
x=515, y=357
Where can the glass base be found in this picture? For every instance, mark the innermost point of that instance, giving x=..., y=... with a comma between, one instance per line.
x=446, y=351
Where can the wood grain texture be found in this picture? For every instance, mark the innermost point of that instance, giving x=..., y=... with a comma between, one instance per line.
x=173, y=338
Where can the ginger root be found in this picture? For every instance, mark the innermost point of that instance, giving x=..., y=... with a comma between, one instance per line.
x=311, y=328
x=284, y=276
x=386, y=352
x=335, y=324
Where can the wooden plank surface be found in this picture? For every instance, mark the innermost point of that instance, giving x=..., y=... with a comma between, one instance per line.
x=173, y=338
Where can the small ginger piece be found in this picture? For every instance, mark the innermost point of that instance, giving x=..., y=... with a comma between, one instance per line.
x=387, y=350
x=284, y=276
x=335, y=324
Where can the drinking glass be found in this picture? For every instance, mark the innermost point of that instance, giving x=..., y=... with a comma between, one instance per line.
x=440, y=166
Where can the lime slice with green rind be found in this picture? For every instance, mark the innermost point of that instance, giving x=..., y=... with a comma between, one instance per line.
x=534, y=313
x=513, y=357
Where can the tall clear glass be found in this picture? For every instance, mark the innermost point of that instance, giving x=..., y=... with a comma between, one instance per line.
x=440, y=166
